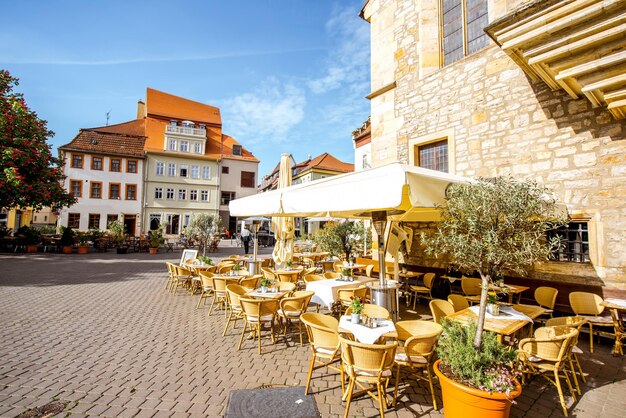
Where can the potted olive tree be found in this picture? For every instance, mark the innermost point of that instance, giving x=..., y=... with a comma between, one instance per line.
x=83, y=242
x=116, y=229
x=205, y=228
x=156, y=240
x=491, y=227
x=345, y=237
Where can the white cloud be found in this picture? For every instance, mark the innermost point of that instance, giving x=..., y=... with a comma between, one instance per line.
x=265, y=114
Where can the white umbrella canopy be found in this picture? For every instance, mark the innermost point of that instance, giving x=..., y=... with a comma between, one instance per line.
x=283, y=226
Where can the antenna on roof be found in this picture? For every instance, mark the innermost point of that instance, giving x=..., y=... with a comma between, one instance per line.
x=108, y=116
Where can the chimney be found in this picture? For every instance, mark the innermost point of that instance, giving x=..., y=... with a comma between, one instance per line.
x=141, y=109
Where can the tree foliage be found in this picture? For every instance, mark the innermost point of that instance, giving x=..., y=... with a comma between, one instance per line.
x=495, y=227
x=204, y=227
x=30, y=175
x=345, y=237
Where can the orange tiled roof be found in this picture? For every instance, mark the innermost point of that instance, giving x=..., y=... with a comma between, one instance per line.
x=325, y=161
x=167, y=105
x=135, y=127
x=96, y=141
x=227, y=150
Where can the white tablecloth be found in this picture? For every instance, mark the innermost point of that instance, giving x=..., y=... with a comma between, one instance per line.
x=326, y=290
x=618, y=302
x=506, y=312
x=366, y=334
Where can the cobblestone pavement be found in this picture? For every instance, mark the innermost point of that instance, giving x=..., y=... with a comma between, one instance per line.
x=100, y=333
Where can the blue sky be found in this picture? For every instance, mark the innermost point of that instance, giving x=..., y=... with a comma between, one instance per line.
x=288, y=75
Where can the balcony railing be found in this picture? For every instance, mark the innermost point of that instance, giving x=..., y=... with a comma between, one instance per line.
x=184, y=130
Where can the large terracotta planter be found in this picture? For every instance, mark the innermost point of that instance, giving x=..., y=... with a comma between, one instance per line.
x=31, y=248
x=153, y=250
x=67, y=249
x=463, y=401
x=83, y=249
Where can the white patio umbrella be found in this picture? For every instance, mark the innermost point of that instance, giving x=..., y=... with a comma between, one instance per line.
x=283, y=226
x=256, y=224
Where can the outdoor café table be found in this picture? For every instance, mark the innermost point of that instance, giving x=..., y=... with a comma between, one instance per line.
x=364, y=334
x=510, y=289
x=616, y=305
x=270, y=294
x=405, y=276
x=326, y=290
x=327, y=265
x=505, y=324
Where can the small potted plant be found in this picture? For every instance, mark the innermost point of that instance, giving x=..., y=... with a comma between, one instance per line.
x=83, y=242
x=492, y=304
x=156, y=240
x=236, y=269
x=289, y=264
x=205, y=260
x=346, y=274
x=116, y=229
x=356, y=309
x=265, y=284
x=67, y=239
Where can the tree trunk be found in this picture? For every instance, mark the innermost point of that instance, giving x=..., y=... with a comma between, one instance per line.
x=478, y=338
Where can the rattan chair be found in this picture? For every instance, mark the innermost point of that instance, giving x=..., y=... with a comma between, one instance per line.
x=422, y=291
x=225, y=268
x=368, y=270
x=588, y=305
x=338, y=266
x=251, y=282
x=256, y=313
x=370, y=367
x=545, y=297
x=372, y=311
x=313, y=278
x=292, y=307
x=546, y=354
x=285, y=287
x=471, y=289
x=171, y=273
x=572, y=356
x=620, y=331
x=267, y=273
x=458, y=302
x=416, y=356
x=332, y=275
x=233, y=293
x=219, y=295
x=182, y=278
x=346, y=294
x=288, y=277
x=206, y=286
x=324, y=340
x=440, y=308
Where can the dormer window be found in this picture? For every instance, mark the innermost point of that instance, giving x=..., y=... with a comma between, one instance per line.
x=188, y=124
x=237, y=150
x=173, y=122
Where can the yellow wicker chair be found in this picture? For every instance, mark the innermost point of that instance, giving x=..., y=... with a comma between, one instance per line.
x=233, y=293
x=545, y=297
x=267, y=273
x=440, y=309
x=458, y=302
x=471, y=289
x=324, y=340
x=171, y=273
x=345, y=295
x=182, y=278
x=572, y=356
x=546, y=354
x=287, y=277
x=292, y=307
x=422, y=291
x=368, y=270
x=206, y=286
x=257, y=312
x=338, y=266
x=284, y=286
x=251, y=282
x=372, y=311
x=417, y=354
x=588, y=305
x=225, y=268
x=332, y=275
x=620, y=331
x=313, y=278
x=219, y=295
x=370, y=367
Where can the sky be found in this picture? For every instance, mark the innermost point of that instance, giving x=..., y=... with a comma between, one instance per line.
x=288, y=75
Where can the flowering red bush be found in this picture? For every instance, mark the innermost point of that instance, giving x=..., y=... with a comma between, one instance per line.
x=30, y=175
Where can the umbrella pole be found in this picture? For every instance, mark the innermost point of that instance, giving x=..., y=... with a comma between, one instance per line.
x=380, y=221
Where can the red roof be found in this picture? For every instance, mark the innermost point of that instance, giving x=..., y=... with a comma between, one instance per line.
x=95, y=141
x=325, y=162
x=167, y=105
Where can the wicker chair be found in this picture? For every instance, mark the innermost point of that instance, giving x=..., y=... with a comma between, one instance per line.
x=182, y=278
x=267, y=273
x=171, y=273
x=440, y=309
x=372, y=311
x=370, y=367
x=219, y=295
x=251, y=282
x=422, y=291
x=225, y=268
x=338, y=266
x=288, y=277
x=291, y=308
x=286, y=287
x=546, y=354
x=417, y=354
x=471, y=289
x=346, y=294
x=233, y=293
x=206, y=286
x=572, y=356
x=368, y=270
x=588, y=305
x=545, y=297
x=324, y=339
x=620, y=331
x=257, y=312
x=458, y=302
x=332, y=275
x=313, y=278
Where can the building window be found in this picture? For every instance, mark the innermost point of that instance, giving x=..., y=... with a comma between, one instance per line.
x=247, y=179
x=197, y=148
x=77, y=160
x=237, y=150
x=184, y=146
x=155, y=221
x=160, y=169
x=182, y=194
x=131, y=192
x=96, y=163
x=463, y=22
x=227, y=197
x=172, y=145
x=169, y=195
x=158, y=193
x=95, y=190
x=206, y=172
x=171, y=169
x=574, y=239
x=224, y=169
x=111, y=218
x=195, y=172
x=76, y=188
x=94, y=220
x=434, y=156
x=204, y=195
x=131, y=166
x=183, y=170
x=365, y=163
x=73, y=220
x=186, y=219
x=115, y=165
x=114, y=190
x=193, y=195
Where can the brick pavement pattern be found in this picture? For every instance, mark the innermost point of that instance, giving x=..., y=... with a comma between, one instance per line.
x=100, y=333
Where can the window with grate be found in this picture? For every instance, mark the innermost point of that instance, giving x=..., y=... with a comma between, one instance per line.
x=73, y=220
x=116, y=164
x=247, y=179
x=76, y=188
x=77, y=160
x=434, y=156
x=96, y=163
x=574, y=239
x=463, y=22
x=96, y=190
x=94, y=220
